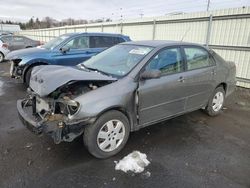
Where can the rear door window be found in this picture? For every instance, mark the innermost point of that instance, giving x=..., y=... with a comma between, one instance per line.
x=81, y=42
x=104, y=41
x=18, y=39
x=6, y=39
x=197, y=58
x=27, y=40
x=118, y=40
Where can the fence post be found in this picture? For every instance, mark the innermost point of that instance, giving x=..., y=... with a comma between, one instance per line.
x=41, y=33
x=209, y=29
x=154, y=25
x=49, y=34
x=121, y=27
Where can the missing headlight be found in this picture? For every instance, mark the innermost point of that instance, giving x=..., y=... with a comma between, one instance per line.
x=67, y=107
x=73, y=109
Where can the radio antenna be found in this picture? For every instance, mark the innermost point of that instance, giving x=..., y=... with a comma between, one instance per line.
x=185, y=34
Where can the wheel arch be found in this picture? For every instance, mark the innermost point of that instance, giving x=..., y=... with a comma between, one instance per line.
x=3, y=55
x=122, y=110
x=31, y=66
x=224, y=85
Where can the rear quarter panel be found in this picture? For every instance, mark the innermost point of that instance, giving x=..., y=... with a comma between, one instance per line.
x=225, y=73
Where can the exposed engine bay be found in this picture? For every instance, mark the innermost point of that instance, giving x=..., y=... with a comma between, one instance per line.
x=64, y=95
x=55, y=111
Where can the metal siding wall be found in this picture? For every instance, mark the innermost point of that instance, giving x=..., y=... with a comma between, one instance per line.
x=70, y=30
x=233, y=32
x=81, y=29
x=189, y=31
x=138, y=32
x=94, y=29
x=56, y=33
x=112, y=29
x=228, y=31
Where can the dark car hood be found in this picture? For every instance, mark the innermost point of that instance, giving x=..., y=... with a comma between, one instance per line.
x=47, y=78
x=19, y=54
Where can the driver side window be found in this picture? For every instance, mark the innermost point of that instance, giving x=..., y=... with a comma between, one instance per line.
x=168, y=61
x=78, y=43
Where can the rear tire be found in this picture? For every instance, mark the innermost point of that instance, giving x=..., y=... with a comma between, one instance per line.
x=1, y=57
x=216, y=102
x=108, y=135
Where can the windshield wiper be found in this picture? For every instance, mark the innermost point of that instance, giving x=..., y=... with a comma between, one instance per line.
x=95, y=69
x=82, y=66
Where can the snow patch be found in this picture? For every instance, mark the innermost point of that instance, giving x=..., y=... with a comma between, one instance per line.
x=134, y=162
x=1, y=88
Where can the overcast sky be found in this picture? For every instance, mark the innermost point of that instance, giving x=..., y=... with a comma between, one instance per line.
x=22, y=10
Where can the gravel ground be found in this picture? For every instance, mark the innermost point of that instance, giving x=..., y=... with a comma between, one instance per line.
x=192, y=150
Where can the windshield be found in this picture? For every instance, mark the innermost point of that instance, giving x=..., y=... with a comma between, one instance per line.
x=55, y=42
x=118, y=60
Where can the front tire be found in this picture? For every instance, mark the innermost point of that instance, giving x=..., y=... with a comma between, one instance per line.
x=108, y=135
x=27, y=77
x=1, y=57
x=216, y=102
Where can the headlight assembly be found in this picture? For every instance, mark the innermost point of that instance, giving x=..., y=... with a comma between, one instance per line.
x=71, y=105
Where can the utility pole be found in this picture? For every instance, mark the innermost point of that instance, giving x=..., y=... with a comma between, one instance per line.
x=208, y=4
x=121, y=14
x=121, y=21
x=141, y=13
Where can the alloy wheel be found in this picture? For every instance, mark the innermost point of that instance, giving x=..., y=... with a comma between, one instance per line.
x=217, y=101
x=111, y=135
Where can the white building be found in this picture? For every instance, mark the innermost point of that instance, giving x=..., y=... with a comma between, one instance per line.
x=10, y=27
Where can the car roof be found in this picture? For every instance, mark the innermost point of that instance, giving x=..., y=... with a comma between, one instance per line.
x=94, y=34
x=160, y=43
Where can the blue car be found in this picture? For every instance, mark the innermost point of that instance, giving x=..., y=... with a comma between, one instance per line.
x=68, y=49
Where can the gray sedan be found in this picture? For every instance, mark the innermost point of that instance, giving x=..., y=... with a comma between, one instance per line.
x=16, y=42
x=127, y=87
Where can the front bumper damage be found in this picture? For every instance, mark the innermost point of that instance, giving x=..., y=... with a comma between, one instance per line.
x=58, y=126
x=15, y=70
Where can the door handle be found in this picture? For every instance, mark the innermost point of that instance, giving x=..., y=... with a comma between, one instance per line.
x=181, y=79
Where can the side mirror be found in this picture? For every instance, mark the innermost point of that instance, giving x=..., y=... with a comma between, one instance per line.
x=152, y=74
x=64, y=49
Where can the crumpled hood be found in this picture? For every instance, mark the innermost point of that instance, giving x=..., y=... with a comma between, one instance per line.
x=19, y=54
x=47, y=78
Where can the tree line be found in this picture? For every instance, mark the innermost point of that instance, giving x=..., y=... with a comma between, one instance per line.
x=48, y=22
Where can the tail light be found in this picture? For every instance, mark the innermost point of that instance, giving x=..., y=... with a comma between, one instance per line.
x=4, y=45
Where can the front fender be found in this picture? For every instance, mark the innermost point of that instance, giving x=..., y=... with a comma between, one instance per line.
x=33, y=63
x=120, y=94
x=29, y=62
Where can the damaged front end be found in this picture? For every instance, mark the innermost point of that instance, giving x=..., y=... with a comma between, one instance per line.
x=16, y=71
x=54, y=114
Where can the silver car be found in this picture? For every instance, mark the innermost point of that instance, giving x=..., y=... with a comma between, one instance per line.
x=126, y=87
x=16, y=42
x=3, y=50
